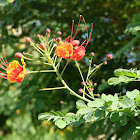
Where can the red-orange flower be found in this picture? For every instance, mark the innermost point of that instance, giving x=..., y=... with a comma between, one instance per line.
x=79, y=52
x=64, y=50
x=15, y=72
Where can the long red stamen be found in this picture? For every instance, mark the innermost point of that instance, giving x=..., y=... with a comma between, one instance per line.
x=2, y=67
x=89, y=35
x=77, y=27
x=1, y=73
x=86, y=27
x=72, y=31
x=4, y=55
x=2, y=61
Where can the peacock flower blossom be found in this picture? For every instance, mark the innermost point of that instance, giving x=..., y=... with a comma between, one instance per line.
x=79, y=49
x=14, y=71
x=64, y=50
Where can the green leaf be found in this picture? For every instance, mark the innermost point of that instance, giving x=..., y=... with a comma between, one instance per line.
x=123, y=119
x=124, y=79
x=80, y=104
x=84, y=110
x=115, y=102
x=113, y=81
x=114, y=117
x=137, y=131
x=126, y=103
x=119, y=72
x=138, y=100
x=60, y=123
x=138, y=72
x=98, y=114
x=97, y=103
x=132, y=94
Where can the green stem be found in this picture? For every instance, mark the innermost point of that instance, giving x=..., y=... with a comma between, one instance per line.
x=52, y=88
x=37, y=48
x=82, y=76
x=36, y=61
x=40, y=71
x=65, y=67
x=58, y=65
x=65, y=85
x=97, y=68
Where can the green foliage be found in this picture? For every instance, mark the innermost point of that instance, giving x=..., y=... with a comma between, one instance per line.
x=124, y=75
x=108, y=106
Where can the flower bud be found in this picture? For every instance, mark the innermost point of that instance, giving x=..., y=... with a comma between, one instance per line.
x=98, y=95
x=24, y=53
x=59, y=32
x=80, y=90
x=105, y=62
x=109, y=57
x=28, y=39
x=82, y=83
x=18, y=55
x=75, y=42
x=58, y=39
x=92, y=54
x=48, y=31
x=42, y=46
x=95, y=84
x=90, y=89
x=38, y=35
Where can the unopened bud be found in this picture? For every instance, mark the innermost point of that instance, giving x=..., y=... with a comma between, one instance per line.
x=109, y=57
x=75, y=42
x=92, y=54
x=42, y=46
x=59, y=32
x=95, y=84
x=105, y=62
x=24, y=53
x=82, y=83
x=28, y=39
x=89, y=61
x=48, y=31
x=80, y=90
x=18, y=55
x=58, y=39
x=98, y=95
x=90, y=89
x=38, y=35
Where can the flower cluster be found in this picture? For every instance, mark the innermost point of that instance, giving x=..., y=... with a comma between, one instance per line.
x=14, y=71
x=71, y=47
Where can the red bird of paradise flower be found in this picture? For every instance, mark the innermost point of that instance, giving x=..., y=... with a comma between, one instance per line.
x=65, y=49
x=14, y=71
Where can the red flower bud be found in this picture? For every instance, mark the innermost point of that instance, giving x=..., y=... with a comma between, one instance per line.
x=109, y=57
x=48, y=31
x=75, y=42
x=24, y=53
x=80, y=90
x=58, y=39
x=92, y=54
x=42, y=46
x=28, y=39
x=18, y=55
x=59, y=32
x=38, y=35
x=82, y=83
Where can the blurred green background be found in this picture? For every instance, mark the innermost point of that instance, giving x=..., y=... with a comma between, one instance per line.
x=116, y=30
